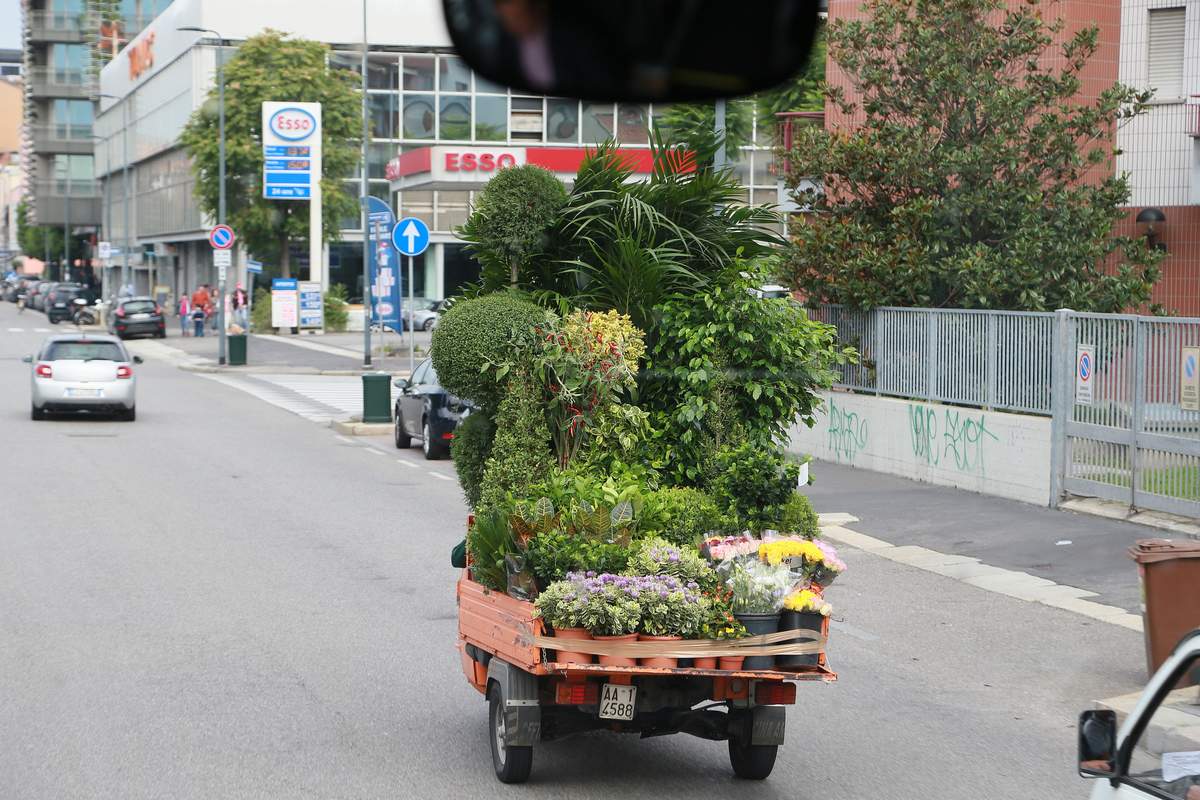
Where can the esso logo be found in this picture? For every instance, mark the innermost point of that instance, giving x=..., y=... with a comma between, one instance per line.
x=481, y=162
x=292, y=124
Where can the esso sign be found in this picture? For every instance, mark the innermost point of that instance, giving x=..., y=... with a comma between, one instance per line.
x=292, y=124
x=478, y=162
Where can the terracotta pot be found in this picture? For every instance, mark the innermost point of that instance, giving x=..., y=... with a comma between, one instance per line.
x=617, y=661
x=570, y=656
x=731, y=662
x=658, y=661
x=705, y=663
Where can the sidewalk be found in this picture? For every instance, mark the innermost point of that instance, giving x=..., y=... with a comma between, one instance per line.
x=1060, y=546
x=334, y=353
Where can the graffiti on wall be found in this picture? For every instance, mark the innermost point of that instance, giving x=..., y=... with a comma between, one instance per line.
x=847, y=432
x=963, y=440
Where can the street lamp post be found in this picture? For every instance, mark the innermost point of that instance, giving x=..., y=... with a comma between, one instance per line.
x=220, y=176
x=107, y=202
x=126, y=246
x=366, y=249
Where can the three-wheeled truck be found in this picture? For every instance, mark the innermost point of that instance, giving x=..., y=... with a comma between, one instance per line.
x=508, y=656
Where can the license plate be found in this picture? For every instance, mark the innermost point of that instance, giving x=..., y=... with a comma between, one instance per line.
x=618, y=702
x=141, y=316
x=85, y=392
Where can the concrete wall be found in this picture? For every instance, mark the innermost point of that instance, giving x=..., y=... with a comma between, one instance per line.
x=1007, y=455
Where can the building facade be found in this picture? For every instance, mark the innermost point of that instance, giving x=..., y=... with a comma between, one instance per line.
x=65, y=43
x=425, y=105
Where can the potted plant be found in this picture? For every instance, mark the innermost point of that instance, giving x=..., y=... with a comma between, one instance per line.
x=659, y=557
x=670, y=611
x=610, y=612
x=758, y=590
x=804, y=610
x=561, y=607
x=719, y=624
x=830, y=565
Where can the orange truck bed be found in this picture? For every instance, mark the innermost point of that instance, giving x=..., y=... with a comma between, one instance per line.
x=505, y=627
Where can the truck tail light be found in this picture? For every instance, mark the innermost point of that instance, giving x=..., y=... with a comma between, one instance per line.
x=448, y=436
x=775, y=694
x=124, y=371
x=577, y=694
x=44, y=371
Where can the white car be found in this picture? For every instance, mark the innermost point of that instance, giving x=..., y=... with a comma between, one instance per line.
x=83, y=373
x=1155, y=752
x=425, y=313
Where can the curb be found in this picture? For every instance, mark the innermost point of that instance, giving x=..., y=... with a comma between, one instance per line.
x=209, y=369
x=1170, y=730
x=1108, y=509
x=969, y=570
x=352, y=428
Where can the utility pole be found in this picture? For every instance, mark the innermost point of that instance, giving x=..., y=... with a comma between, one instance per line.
x=719, y=130
x=366, y=243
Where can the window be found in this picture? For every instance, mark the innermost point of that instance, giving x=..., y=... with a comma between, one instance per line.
x=633, y=124
x=562, y=120
x=72, y=118
x=419, y=116
x=84, y=351
x=1164, y=760
x=525, y=119
x=383, y=72
x=418, y=72
x=384, y=111
x=597, y=122
x=490, y=114
x=453, y=75
x=455, y=120
x=1165, y=51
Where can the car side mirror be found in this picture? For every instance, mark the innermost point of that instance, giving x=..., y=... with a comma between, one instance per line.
x=1097, y=744
x=27, y=359
x=138, y=360
x=401, y=383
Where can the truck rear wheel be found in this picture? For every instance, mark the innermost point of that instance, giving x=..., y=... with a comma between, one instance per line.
x=752, y=761
x=512, y=764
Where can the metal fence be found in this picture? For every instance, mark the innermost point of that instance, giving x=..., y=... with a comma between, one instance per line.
x=991, y=359
x=1130, y=441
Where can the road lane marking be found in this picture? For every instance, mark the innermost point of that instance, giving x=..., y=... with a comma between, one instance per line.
x=964, y=569
x=345, y=439
x=16, y=330
x=407, y=463
x=372, y=450
x=439, y=475
x=852, y=631
x=41, y=330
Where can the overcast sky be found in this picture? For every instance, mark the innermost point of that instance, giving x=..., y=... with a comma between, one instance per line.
x=10, y=24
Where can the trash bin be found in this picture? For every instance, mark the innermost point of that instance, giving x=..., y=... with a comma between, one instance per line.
x=1169, y=573
x=237, y=349
x=377, y=397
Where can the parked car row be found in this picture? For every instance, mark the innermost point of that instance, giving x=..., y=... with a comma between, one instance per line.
x=66, y=301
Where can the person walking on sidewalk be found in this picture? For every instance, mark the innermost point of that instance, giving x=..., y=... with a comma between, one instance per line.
x=185, y=313
x=239, y=307
x=199, y=304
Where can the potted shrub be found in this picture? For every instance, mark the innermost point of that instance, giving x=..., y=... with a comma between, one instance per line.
x=804, y=610
x=758, y=590
x=561, y=606
x=719, y=624
x=670, y=611
x=659, y=557
x=610, y=612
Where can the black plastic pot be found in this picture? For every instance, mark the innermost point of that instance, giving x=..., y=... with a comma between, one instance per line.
x=758, y=624
x=797, y=620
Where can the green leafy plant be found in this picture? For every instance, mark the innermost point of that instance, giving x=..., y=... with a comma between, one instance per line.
x=488, y=541
x=561, y=604
x=610, y=611
x=684, y=515
x=509, y=222
x=260, y=314
x=336, y=316
x=660, y=557
x=754, y=484
x=797, y=516
x=553, y=555
x=976, y=173
x=475, y=334
x=668, y=607
x=520, y=455
x=717, y=620
x=470, y=449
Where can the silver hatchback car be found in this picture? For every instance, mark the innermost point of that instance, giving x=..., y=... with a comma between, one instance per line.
x=83, y=373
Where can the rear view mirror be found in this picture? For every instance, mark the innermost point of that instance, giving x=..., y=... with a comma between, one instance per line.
x=401, y=383
x=634, y=50
x=138, y=360
x=27, y=359
x=1097, y=743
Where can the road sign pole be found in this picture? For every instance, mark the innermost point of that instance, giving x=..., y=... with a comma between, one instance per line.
x=412, y=328
x=366, y=217
x=221, y=196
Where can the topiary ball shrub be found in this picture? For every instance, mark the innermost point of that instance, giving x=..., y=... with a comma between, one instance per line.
x=683, y=515
x=470, y=449
x=799, y=517
x=473, y=333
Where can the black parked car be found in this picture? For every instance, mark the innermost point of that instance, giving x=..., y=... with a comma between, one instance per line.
x=59, y=305
x=137, y=315
x=425, y=411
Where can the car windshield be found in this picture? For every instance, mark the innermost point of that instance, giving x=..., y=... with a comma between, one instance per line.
x=84, y=351
x=138, y=306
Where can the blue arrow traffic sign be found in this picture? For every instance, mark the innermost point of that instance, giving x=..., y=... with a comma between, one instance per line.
x=410, y=236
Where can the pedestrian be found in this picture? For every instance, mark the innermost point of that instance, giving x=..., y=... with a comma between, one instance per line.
x=185, y=312
x=198, y=320
x=239, y=307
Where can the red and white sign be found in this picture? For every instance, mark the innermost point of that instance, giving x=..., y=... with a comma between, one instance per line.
x=292, y=124
x=221, y=237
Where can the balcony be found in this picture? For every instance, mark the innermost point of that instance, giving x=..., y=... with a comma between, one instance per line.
x=72, y=139
x=1193, y=116
x=57, y=26
x=61, y=201
x=54, y=82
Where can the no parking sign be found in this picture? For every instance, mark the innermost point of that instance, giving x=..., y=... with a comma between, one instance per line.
x=1085, y=374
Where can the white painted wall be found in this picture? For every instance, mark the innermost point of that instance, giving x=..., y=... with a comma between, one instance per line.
x=1006, y=455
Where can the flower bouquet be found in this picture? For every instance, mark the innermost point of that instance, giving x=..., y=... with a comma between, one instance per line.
x=758, y=590
x=803, y=610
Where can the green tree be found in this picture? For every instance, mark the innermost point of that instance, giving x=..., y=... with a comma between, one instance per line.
x=508, y=226
x=269, y=67
x=977, y=178
x=37, y=241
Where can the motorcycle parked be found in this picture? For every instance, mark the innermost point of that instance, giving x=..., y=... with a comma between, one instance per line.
x=84, y=315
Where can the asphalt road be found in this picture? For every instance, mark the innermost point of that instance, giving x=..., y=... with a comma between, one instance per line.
x=223, y=600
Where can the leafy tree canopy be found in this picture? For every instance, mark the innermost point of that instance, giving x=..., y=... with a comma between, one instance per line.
x=269, y=67
x=977, y=178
